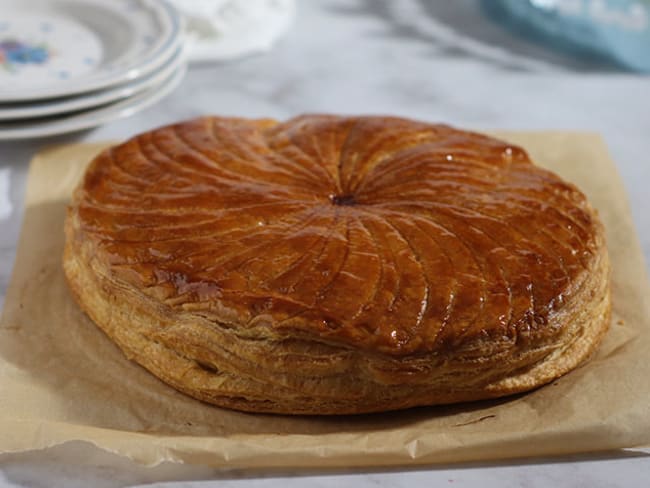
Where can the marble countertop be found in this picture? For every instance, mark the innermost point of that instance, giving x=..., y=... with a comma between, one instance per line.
x=437, y=61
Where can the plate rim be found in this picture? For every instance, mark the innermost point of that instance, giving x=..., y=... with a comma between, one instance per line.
x=90, y=100
x=98, y=116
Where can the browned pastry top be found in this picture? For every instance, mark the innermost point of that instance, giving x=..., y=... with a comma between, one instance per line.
x=384, y=234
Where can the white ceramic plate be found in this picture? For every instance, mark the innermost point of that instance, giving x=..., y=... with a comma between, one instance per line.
x=60, y=106
x=94, y=117
x=56, y=48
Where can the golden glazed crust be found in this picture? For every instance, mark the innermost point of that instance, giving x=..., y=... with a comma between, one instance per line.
x=330, y=265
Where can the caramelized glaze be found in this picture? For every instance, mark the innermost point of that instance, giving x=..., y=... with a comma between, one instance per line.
x=385, y=234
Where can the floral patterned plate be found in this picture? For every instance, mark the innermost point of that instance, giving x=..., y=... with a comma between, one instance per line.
x=57, y=48
x=60, y=106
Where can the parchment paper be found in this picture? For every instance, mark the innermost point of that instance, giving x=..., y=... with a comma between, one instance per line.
x=61, y=379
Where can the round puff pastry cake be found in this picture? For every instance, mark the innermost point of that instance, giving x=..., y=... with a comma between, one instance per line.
x=336, y=265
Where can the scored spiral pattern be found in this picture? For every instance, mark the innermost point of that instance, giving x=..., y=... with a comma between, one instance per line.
x=393, y=235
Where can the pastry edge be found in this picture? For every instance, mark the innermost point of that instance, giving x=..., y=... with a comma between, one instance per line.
x=129, y=323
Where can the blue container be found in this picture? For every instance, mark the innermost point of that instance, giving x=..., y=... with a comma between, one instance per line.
x=614, y=29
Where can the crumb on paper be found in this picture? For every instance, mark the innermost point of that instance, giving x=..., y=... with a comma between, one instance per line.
x=475, y=421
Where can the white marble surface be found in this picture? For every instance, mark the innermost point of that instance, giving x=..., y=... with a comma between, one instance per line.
x=438, y=61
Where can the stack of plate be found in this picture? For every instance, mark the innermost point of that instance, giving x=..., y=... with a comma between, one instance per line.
x=67, y=65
